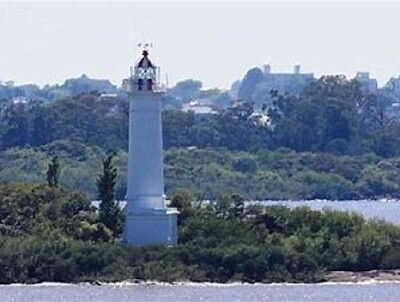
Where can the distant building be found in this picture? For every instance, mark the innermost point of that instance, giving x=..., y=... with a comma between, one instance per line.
x=198, y=107
x=20, y=100
x=394, y=111
x=109, y=96
x=368, y=85
x=287, y=82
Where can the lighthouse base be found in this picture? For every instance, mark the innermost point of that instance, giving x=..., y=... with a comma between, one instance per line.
x=151, y=228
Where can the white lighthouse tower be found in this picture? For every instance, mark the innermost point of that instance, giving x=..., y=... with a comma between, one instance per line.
x=148, y=220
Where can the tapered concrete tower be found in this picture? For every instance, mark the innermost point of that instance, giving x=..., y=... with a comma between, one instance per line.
x=148, y=220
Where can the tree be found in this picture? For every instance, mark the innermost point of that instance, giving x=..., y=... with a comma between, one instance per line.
x=183, y=202
x=109, y=211
x=16, y=119
x=252, y=78
x=237, y=126
x=186, y=90
x=230, y=206
x=53, y=172
x=323, y=118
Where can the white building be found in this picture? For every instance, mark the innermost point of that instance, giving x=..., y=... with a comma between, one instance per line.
x=148, y=220
x=286, y=82
x=198, y=108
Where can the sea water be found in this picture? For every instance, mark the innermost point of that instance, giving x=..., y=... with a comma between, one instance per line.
x=340, y=292
x=383, y=209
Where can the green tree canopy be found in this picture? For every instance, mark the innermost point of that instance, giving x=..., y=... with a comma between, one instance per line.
x=109, y=210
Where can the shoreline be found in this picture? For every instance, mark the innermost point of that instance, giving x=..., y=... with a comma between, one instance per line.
x=366, y=276
x=331, y=278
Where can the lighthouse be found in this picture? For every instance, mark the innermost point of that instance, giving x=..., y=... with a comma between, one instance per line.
x=148, y=220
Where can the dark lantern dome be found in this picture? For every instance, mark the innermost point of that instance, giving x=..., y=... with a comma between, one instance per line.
x=145, y=61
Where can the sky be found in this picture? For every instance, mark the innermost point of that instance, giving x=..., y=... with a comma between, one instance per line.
x=214, y=42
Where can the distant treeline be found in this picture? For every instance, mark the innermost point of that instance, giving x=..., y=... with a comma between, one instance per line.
x=70, y=88
x=281, y=174
x=331, y=115
x=330, y=142
x=183, y=92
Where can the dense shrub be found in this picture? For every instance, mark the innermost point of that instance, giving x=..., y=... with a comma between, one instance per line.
x=52, y=235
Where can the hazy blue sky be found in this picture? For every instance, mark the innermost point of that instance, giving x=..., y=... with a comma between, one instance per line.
x=215, y=42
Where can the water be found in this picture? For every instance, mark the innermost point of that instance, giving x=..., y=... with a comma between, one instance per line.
x=372, y=292
x=382, y=209
x=388, y=210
